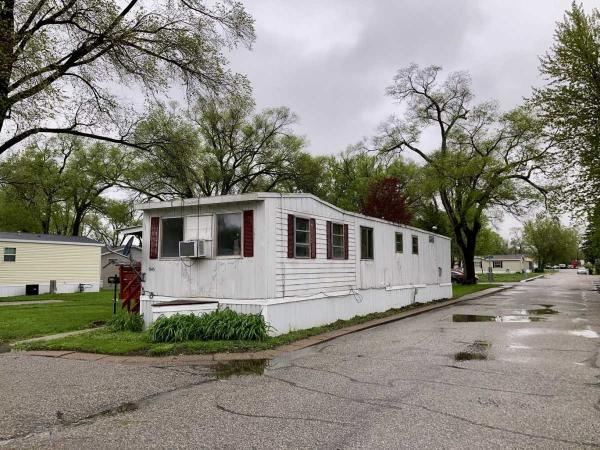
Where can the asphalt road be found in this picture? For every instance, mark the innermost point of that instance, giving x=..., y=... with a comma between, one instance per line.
x=519, y=369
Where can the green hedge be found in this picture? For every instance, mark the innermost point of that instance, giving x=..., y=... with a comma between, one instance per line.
x=218, y=325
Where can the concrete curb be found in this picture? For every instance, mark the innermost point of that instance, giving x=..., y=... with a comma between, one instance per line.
x=216, y=358
x=526, y=280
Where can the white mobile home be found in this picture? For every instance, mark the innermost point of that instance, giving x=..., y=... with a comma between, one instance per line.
x=295, y=258
x=40, y=263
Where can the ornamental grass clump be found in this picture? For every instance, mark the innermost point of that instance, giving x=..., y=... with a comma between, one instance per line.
x=220, y=325
x=126, y=322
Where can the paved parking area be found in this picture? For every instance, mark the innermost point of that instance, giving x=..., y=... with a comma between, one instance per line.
x=518, y=369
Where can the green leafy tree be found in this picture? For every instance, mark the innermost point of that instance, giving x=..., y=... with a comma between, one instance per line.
x=61, y=183
x=111, y=215
x=56, y=55
x=490, y=243
x=549, y=242
x=570, y=101
x=591, y=239
x=483, y=159
x=221, y=147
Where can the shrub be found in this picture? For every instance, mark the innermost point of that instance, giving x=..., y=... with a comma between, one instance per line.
x=220, y=325
x=126, y=322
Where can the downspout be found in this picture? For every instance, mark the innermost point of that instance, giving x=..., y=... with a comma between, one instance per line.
x=283, y=222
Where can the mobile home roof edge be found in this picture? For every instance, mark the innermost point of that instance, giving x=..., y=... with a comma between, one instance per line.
x=260, y=196
x=48, y=239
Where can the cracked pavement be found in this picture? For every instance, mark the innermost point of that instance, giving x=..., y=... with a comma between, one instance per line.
x=510, y=373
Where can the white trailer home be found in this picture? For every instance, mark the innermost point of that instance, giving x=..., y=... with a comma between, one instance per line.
x=295, y=258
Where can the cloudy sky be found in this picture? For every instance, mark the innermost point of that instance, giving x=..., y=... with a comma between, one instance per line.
x=330, y=61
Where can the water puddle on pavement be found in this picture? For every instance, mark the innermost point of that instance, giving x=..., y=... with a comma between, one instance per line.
x=521, y=315
x=240, y=367
x=585, y=333
x=477, y=351
x=485, y=318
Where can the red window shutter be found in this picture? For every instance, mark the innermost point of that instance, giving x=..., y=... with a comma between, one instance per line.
x=313, y=238
x=329, y=243
x=249, y=233
x=345, y=241
x=154, y=233
x=290, y=235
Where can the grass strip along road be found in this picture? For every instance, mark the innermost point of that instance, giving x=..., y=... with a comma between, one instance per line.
x=85, y=308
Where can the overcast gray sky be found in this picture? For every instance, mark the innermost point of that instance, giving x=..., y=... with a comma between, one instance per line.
x=330, y=61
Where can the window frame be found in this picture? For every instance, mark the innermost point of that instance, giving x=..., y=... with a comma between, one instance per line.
x=216, y=234
x=13, y=254
x=370, y=244
x=307, y=244
x=401, y=235
x=333, y=246
x=161, y=232
x=494, y=266
x=415, y=239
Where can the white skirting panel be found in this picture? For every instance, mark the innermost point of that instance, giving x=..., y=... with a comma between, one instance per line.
x=12, y=290
x=297, y=313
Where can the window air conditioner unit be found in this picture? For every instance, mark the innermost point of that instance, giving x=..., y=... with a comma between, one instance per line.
x=194, y=249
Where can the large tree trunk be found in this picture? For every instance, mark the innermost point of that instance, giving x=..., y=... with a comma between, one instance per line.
x=467, y=249
x=7, y=41
x=77, y=222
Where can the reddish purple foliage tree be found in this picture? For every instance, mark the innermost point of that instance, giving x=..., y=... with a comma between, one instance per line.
x=387, y=201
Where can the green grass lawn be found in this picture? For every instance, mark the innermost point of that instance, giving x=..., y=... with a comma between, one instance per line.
x=509, y=277
x=458, y=290
x=76, y=312
x=128, y=343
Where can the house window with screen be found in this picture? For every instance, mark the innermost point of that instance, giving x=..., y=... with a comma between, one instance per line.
x=399, y=243
x=302, y=238
x=172, y=233
x=229, y=234
x=431, y=239
x=10, y=254
x=366, y=243
x=415, y=245
x=337, y=240
x=497, y=264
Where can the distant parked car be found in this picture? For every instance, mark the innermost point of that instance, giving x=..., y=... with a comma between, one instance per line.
x=582, y=271
x=562, y=266
x=458, y=276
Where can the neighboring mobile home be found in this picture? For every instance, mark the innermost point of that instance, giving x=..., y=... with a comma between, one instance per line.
x=504, y=263
x=111, y=261
x=48, y=263
x=295, y=258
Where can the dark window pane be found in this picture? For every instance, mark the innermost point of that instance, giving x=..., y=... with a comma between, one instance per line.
x=302, y=237
x=302, y=251
x=172, y=233
x=338, y=229
x=399, y=243
x=415, y=245
x=229, y=234
x=301, y=224
x=366, y=243
x=10, y=254
x=338, y=241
